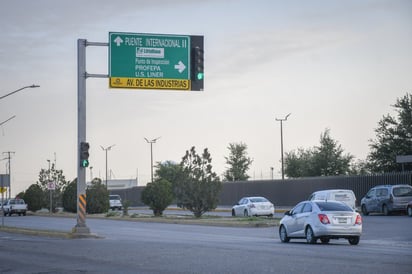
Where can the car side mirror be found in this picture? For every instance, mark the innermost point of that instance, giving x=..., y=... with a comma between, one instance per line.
x=288, y=213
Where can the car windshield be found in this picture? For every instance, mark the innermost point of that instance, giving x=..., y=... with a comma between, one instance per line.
x=402, y=191
x=114, y=197
x=327, y=206
x=258, y=200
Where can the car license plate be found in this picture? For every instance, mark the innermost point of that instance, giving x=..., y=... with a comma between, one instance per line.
x=342, y=220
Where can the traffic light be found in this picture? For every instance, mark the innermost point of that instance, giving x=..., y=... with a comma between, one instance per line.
x=197, y=65
x=84, y=154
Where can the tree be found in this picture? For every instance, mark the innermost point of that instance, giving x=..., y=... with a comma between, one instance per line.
x=170, y=171
x=34, y=198
x=158, y=196
x=56, y=176
x=70, y=197
x=97, y=197
x=238, y=162
x=393, y=138
x=199, y=186
x=327, y=159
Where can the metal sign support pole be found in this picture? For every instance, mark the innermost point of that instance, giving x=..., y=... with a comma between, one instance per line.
x=81, y=227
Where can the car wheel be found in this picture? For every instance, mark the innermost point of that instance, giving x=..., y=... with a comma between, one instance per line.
x=245, y=213
x=233, y=213
x=354, y=240
x=24, y=213
x=324, y=240
x=409, y=211
x=310, y=237
x=385, y=210
x=283, y=235
x=364, y=211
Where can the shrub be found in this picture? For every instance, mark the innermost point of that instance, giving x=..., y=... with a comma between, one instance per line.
x=158, y=196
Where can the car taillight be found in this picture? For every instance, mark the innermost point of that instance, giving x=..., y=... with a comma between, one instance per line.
x=358, y=220
x=323, y=219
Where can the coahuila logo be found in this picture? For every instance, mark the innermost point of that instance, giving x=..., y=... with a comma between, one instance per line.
x=150, y=52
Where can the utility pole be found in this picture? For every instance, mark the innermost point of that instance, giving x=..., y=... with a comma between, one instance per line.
x=9, y=169
x=151, y=142
x=281, y=120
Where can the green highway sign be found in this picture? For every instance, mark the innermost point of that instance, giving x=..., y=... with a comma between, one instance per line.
x=149, y=61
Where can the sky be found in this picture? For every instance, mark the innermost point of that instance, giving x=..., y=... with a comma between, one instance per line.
x=337, y=65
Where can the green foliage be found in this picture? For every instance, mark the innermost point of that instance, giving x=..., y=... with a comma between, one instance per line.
x=199, y=187
x=158, y=196
x=70, y=197
x=34, y=198
x=169, y=171
x=52, y=174
x=393, y=138
x=97, y=198
x=327, y=159
x=238, y=163
x=125, y=206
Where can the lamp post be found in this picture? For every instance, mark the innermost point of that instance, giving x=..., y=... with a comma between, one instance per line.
x=281, y=120
x=8, y=94
x=107, y=149
x=151, y=142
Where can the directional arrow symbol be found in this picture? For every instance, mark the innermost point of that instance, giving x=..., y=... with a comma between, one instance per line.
x=180, y=67
x=118, y=40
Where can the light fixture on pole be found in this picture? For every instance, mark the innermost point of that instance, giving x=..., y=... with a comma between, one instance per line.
x=281, y=120
x=151, y=142
x=8, y=94
x=107, y=149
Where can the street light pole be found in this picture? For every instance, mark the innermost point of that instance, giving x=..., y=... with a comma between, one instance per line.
x=8, y=94
x=107, y=149
x=281, y=120
x=151, y=142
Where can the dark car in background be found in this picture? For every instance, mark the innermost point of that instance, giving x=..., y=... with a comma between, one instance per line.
x=386, y=199
x=409, y=209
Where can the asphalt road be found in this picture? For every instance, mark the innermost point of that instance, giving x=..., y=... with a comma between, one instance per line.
x=139, y=247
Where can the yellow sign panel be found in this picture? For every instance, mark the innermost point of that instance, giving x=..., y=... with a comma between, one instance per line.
x=149, y=83
x=3, y=189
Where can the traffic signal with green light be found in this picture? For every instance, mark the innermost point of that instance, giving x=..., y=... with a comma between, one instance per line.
x=84, y=154
x=197, y=64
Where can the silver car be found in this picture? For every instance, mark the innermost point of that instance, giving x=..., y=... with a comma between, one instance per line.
x=324, y=220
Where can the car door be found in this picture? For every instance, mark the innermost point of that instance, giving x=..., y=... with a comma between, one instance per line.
x=294, y=226
x=370, y=201
x=240, y=207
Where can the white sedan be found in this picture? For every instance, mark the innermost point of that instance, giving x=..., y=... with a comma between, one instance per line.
x=253, y=206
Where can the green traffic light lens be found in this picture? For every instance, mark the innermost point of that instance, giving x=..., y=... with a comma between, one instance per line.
x=200, y=76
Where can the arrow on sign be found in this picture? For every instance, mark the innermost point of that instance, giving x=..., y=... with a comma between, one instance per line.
x=180, y=66
x=118, y=40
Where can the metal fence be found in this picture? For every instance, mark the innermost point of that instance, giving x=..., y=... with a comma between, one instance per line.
x=290, y=191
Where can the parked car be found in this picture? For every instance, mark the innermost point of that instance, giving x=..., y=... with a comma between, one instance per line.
x=115, y=202
x=386, y=199
x=342, y=195
x=14, y=206
x=313, y=220
x=253, y=206
x=409, y=209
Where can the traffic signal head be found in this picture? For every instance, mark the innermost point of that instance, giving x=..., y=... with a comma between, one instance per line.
x=84, y=154
x=197, y=63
